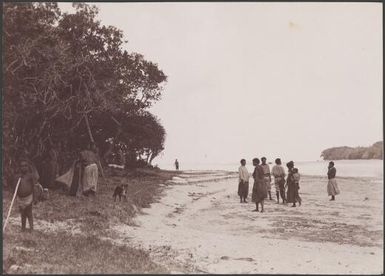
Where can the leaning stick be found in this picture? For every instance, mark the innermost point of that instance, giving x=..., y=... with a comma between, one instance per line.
x=10, y=208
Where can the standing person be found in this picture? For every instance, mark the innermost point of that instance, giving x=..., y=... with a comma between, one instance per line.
x=243, y=186
x=25, y=194
x=279, y=179
x=121, y=157
x=296, y=177
x=50, y=167
x=266, y=176
x=292, y=189
x=332, y=183
x=259, y=187
x=176, y=164
x=90, y=173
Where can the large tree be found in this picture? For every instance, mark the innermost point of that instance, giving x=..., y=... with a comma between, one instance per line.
x=61, y=71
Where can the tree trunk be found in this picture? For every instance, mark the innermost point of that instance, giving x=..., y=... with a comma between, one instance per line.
x=153, y=155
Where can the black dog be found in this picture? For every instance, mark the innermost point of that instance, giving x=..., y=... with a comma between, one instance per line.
x=121, y=191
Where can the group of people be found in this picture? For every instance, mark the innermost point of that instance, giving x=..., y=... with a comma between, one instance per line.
x=82, y=178
x=262, y=182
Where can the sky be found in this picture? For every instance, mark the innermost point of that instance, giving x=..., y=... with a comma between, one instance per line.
x=249, y=80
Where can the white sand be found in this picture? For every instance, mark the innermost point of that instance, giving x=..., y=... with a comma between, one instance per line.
x=200, y=226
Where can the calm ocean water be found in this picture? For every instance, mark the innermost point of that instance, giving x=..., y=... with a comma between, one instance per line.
x=345, y=168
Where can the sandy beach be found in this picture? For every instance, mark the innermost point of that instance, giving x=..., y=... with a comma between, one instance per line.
x=199, y=226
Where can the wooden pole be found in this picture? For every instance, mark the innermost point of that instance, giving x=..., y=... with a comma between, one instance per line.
x=89, y=129
x=101, y=169
x=10, y=208
x=93, y=141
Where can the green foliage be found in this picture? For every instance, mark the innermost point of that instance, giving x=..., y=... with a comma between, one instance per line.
x=59, y=68
x=337, y=153
x=139, y=136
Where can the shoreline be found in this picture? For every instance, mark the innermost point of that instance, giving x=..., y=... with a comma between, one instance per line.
x=235, y=174
x=345, y=168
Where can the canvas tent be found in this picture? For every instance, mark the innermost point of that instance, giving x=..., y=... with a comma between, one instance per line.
x=73, y=179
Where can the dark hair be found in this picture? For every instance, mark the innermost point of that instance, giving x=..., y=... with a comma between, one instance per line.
x=27, y=162
x=243, y=160
x=331, y=163
x=278, y=161
x=256, y=160
x=290, y=165
x=263, y=158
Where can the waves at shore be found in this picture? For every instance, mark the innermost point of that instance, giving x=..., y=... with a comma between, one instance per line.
x=345, y=168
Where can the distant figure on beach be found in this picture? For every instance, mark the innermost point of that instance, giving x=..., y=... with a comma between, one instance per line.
x=243, y=185
x=296, y=177
x=292, y=189
x=259, y=188
x=266, y=176
x=176, y=164
x=279, y=180
x=332, y=183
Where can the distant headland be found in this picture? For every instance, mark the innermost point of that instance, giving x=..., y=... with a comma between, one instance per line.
x=339, y=153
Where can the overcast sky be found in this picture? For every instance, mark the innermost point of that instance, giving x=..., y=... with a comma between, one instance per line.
x=251, y=79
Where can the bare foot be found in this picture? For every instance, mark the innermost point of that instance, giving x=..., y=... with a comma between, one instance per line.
x=255, y=210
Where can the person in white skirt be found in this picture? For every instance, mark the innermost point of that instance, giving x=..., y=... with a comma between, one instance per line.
x=332, y=187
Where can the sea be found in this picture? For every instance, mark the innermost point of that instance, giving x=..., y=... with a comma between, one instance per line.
x=345, y=168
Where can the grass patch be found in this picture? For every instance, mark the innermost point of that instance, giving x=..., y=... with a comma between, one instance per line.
x=61, y=252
